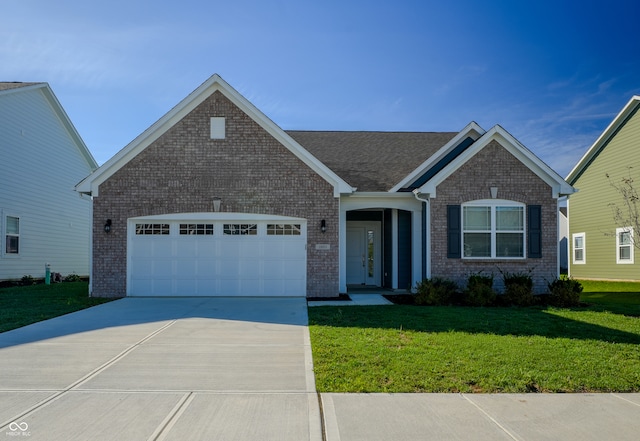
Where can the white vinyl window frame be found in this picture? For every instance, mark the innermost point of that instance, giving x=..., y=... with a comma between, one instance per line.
x=11, y=232
x=624, y=245
x=579, y=248
x=493, y=206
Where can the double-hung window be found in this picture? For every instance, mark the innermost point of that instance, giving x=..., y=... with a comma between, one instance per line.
x=12, y=235
x=579, y=249
x=624, y=245
x=493, y=229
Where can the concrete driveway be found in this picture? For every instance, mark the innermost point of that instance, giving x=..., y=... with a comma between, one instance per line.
x=163, y=369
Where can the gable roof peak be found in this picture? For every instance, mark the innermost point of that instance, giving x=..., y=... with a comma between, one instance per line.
x=627, y=111
x=213, y=84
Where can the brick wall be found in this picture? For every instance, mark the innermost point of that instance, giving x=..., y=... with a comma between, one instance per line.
x=184, y=170
x=494, y=166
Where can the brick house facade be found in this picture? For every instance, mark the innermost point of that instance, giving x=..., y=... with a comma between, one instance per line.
x=472, y=182
x=184, y=169
x=351, y=208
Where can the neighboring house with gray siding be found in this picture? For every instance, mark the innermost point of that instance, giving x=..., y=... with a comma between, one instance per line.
x=600, y=247
x=216, y=199
x=42, y=158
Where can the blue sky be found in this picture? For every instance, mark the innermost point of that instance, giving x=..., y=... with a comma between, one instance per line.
x=554, y=73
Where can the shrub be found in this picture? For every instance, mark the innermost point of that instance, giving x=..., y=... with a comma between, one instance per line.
x=27, y=280
x=565, y=292
x=436, y=291
x=518, y=288
x=72, y=278
x=479, y=291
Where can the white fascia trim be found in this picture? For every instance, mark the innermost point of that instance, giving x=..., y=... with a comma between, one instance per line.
x=433, y=159
x=62, y=115
x=513, y=146
x=211, y=216
x=380, y=194
x=603, y=139
x=195, y=98
x=68, y=125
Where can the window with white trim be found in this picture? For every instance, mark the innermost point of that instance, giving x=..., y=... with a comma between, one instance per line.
x=624, y=245
x=493, y=229
x=579, y=249
x=12, y=235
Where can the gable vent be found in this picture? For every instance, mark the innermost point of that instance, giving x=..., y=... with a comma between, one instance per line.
x=217, y=127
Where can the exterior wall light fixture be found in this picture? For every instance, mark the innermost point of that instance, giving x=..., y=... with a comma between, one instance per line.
x=323, y=225
x=107, y=226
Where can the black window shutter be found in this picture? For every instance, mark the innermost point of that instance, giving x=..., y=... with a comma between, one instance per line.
x=454, y=232
x=534, y=221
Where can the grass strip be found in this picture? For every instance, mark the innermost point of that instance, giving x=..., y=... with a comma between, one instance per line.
x=459, y=349
x=23, y=305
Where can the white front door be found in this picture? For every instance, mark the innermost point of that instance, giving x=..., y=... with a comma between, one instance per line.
x=363, y=253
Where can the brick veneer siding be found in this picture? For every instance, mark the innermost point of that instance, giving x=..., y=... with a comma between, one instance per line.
x=494, y=166
x=184, y=170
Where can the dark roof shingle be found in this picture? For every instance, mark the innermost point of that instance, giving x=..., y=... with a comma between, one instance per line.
x=372, y=161
x=6, y=85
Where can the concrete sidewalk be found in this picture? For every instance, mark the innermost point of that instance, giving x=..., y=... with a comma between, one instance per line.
x=480, y=417
x=241, y=369
x=163, y=369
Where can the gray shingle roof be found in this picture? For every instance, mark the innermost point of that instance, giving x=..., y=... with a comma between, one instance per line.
x=372, y=161
x=6, y=85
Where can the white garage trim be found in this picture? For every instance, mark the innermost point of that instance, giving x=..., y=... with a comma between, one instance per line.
x=216, y=254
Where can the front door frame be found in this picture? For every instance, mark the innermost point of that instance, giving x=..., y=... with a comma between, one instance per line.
x=395, y=201
x=371, y=258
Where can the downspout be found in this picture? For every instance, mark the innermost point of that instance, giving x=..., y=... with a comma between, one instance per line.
x=426, y=215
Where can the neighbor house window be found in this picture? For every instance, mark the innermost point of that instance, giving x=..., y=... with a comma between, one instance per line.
x=12, y=235
x=493, y=229
x=579, y=255
x=624, y=245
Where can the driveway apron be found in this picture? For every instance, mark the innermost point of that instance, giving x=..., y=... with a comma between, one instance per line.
x=163, y=369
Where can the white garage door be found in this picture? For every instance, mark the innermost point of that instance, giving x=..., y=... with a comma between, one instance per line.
x=197, y=255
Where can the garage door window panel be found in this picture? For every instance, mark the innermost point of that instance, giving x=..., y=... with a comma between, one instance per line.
x=196, y=229
x=284, y=230
x=152, y=229
x=241, y=229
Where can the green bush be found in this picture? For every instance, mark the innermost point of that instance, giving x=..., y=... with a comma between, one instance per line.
x=479, y=291
x=565, y=292
x=27, y=280
x=436, y=291
x=73, y=278
x=518, y=288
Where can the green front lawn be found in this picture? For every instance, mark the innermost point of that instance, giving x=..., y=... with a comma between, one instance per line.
x=461, y=349
x=23, y=305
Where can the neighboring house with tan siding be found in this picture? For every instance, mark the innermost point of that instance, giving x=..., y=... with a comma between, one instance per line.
x=216, y=199
x=600, y=247
x=42, y=158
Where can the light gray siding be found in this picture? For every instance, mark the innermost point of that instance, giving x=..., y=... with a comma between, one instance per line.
x=40, y=162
